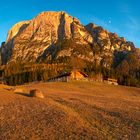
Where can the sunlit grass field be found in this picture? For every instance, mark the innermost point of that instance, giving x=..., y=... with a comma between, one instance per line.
x=70, y=111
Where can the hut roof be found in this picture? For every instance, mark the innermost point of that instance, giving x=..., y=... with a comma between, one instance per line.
x=69, y=73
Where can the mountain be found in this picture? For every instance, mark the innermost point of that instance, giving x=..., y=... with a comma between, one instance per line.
x=54, y=35
x=54, y=42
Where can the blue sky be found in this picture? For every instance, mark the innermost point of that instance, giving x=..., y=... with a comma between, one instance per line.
x=120, y=16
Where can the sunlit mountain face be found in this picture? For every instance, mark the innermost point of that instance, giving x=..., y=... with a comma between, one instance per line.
x=39, y=39
x=119, y=16
x=57, y=38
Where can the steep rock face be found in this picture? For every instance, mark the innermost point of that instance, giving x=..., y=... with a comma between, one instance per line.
x=16, y=29
x=6, y=47
x=109, y=44
x=109, y=41
x=30, y=41
x=41, y=33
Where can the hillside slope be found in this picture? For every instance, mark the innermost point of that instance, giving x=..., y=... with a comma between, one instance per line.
x=76, y=110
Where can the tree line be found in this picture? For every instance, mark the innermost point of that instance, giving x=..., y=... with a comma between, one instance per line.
x=21, y=73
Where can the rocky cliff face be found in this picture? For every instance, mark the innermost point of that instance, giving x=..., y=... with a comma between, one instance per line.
x=29, y=41
x=109, y=41
x=17, y=29
x=7, y=47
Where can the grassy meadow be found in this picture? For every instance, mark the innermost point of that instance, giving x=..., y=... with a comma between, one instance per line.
x=70, y=111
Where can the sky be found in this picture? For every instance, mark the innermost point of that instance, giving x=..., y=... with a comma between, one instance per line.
x=120, y=16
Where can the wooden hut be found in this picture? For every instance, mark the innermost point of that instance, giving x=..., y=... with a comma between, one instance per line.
x=70, y=76
x=111, y=81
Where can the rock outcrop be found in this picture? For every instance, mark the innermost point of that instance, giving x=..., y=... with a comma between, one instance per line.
x=16, y=29
x=36, y=93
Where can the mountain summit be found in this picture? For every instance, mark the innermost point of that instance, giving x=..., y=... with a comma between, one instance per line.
x=52, y=35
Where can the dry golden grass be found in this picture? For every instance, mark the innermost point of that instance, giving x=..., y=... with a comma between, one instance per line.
x=69, y=111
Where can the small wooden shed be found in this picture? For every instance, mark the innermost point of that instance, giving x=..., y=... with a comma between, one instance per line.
x=70, y=76
x=111, y=81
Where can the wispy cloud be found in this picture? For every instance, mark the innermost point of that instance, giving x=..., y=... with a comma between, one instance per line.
x=132, y=23
x=131, y=27
x=133, y=30
x=125, y=8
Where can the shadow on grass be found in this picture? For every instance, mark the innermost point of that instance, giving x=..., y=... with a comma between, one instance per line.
x=23, y=94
